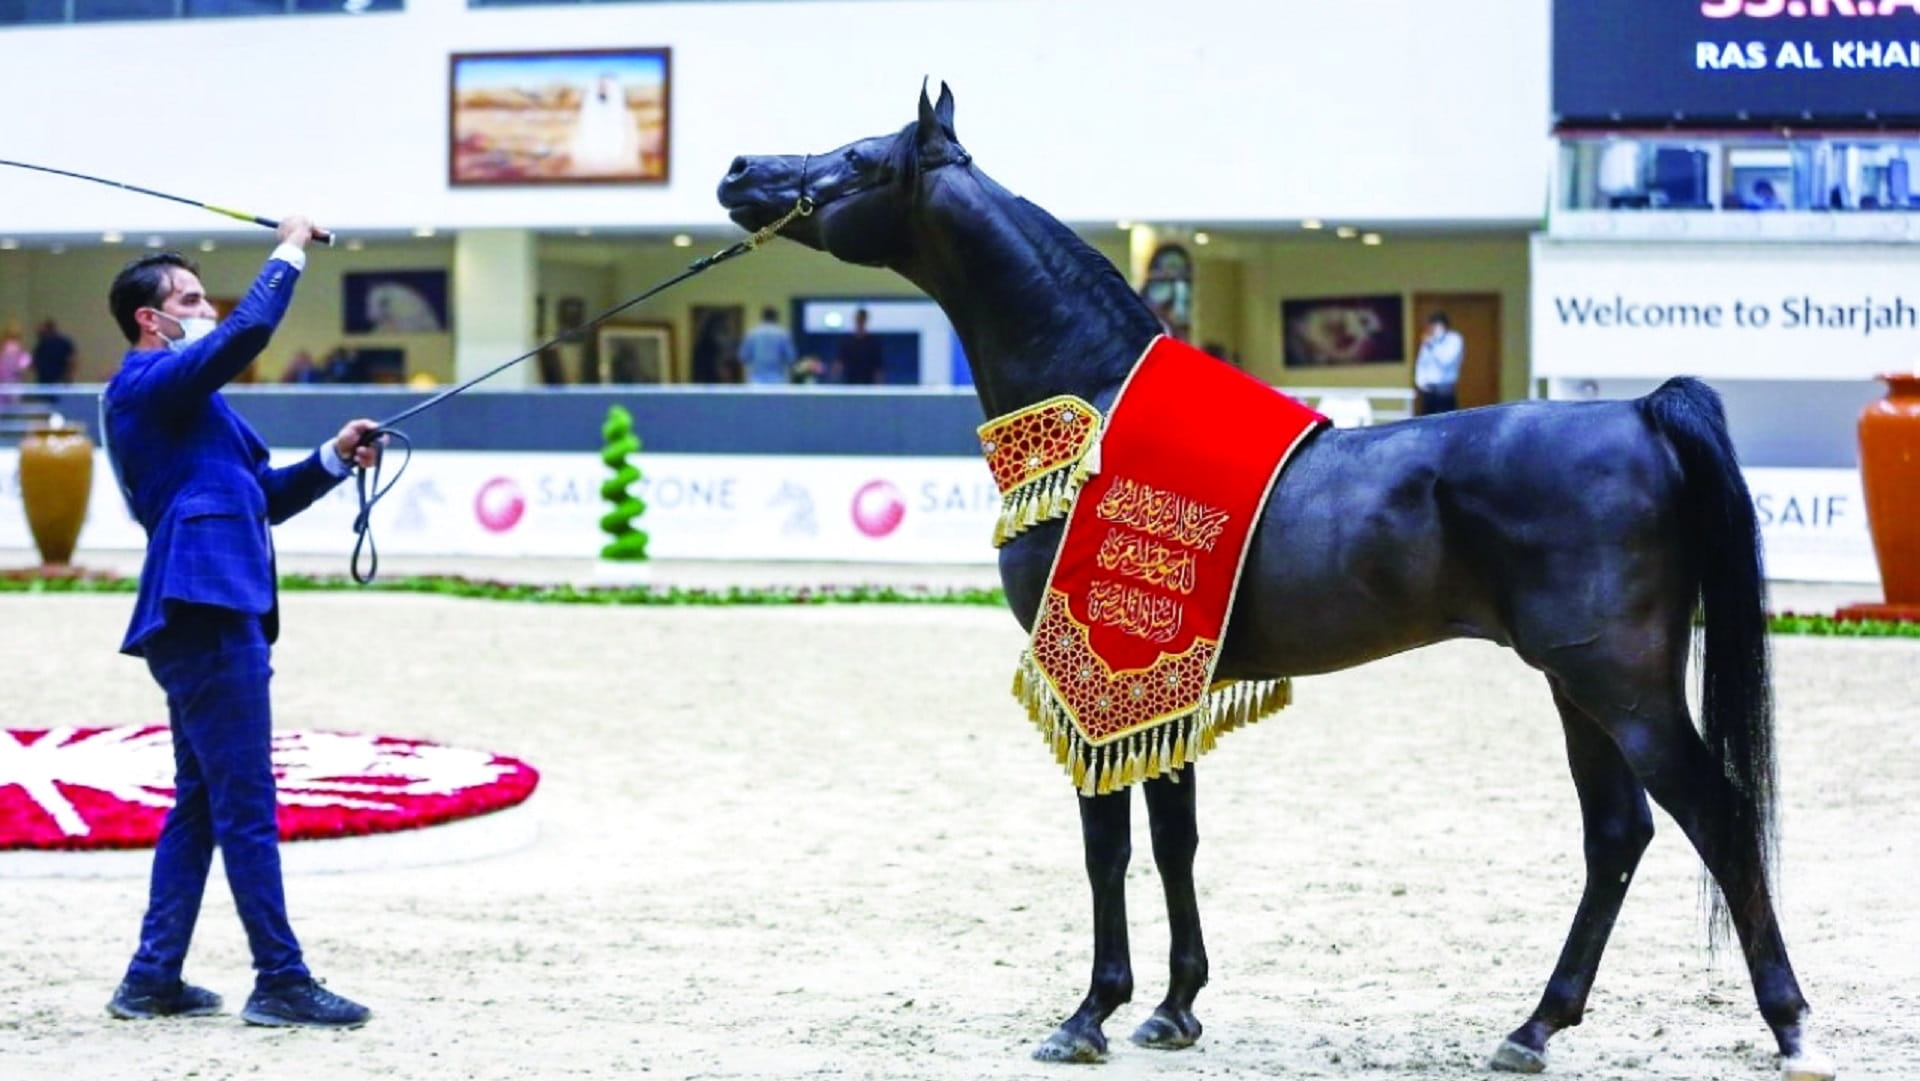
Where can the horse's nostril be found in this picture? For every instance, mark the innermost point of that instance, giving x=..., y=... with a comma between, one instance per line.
x=739, y=167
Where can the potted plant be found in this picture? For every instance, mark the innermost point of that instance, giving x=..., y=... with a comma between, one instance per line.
x=624, y=557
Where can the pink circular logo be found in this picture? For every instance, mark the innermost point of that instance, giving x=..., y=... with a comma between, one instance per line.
x=878, y=508
x=499, y=505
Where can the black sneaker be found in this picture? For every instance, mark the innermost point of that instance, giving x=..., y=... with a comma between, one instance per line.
x=135, y=1002
x=306, y=1004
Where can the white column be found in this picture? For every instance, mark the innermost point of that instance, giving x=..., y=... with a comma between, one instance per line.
x=495, y=280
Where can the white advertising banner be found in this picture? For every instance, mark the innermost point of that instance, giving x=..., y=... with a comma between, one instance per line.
x=1752, y=311
x=699, y=506
x=826, y=509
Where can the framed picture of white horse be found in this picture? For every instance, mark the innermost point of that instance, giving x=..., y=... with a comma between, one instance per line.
x=597, y=116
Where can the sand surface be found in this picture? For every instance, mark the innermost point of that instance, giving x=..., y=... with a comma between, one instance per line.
x=823, y=842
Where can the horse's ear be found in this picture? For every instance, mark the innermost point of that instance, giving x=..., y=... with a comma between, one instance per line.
x=943, y=111
x=927, y=117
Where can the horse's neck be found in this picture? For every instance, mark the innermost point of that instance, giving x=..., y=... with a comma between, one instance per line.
x=1038, y=312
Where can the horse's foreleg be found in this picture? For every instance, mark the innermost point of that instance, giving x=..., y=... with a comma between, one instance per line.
x=1104, y=830
x=1176, y=836
x=1618, y=827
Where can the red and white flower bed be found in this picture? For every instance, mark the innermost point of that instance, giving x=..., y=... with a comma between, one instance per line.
x=108, y=788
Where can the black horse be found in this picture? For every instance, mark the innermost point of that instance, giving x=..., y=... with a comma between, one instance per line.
x=1584, y=536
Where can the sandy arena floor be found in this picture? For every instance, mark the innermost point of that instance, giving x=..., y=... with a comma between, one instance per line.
x=823, y=842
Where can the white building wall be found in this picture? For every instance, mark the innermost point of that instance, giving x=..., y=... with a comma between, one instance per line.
x=1211, y=110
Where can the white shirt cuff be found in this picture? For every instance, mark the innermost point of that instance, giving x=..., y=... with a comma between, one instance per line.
x=287, y=253
x=331, y=461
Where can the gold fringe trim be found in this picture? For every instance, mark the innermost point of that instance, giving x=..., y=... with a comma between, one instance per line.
x=1154, y=751
x=1043, y=498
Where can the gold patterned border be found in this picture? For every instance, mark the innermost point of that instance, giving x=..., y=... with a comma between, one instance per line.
x=1112, y=729
x=1040, y=456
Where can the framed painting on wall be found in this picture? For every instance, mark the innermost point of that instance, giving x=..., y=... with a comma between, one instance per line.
x=1322, y=332
x=394, y=302
x=637, y=352
x=597, y=116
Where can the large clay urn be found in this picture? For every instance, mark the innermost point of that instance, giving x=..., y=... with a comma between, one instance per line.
x=1890, y=476
x=56, y=477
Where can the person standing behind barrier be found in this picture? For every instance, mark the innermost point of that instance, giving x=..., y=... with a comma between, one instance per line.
x=52, y=356
x=1436, y=372
x=196, y=477
x=766, y=352
x=858, y=360
x=15, y=362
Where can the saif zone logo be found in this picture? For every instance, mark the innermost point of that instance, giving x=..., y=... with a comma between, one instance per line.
x=878, y=507
x=499, y=505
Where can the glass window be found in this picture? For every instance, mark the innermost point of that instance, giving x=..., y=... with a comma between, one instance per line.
x=89, y=11
x=16, y=12
x=220, y=9
x=1760, y=173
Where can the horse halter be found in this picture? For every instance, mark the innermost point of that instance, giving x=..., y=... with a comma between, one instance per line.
x=958, y=156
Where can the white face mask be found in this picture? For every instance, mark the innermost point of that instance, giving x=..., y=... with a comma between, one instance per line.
x=192, y=329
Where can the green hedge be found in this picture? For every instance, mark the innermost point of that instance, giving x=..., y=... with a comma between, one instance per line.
x=447, y=586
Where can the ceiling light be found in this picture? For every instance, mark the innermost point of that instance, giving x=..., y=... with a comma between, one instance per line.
x=1202, y=238
x=356, y=244
x=1370, y=239
x=682, y=240
x=58, y=249
x=1313, y=223
x=1123, y=224
x=423, y=232
x=154, y=241
x=1346, y=232
x=583, y=232
x=9, y=244
x=206, y=245
x=111, y=238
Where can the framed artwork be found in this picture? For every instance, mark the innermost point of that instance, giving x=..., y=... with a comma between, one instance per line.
x=636, y=352
x=597, y=116
x=716, y=342
x=394, y=302
x=1319, y=332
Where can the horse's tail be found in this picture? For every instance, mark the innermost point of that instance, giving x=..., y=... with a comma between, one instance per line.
x=1722, y=542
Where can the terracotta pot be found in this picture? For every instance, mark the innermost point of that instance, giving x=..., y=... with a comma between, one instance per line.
x=1890, y=476
x=56, y=478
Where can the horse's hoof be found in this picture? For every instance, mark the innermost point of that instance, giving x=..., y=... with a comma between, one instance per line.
x=1807, y=1066
x=1517, y=1058
x=1168, y=1032
x=1064, y=1046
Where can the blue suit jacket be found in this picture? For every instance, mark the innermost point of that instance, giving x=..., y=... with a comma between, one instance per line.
x=196, y=475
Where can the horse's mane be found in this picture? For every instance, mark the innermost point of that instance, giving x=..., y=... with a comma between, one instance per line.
x=1090, y=277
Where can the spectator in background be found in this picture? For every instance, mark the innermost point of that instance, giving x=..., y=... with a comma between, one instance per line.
x=15, y=362
x=710, y=347
x=1436, y=373
x=858, y=360
x=1763, y=197
x=766, y=353
x=300, y=369
x=52, y=356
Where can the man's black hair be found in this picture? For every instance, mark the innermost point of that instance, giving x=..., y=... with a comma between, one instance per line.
x=145, y=283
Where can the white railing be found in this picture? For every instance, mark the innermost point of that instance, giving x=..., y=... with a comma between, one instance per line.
x=1356, y=407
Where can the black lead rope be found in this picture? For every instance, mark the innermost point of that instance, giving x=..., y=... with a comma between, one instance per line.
x=367, y=484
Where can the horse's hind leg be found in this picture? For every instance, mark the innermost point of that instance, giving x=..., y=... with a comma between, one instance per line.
x=1652, y=730
x=1104, y=826
x=1176, y=836
x=1618, y=826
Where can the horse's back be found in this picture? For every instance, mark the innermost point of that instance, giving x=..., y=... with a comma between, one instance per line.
x=1523, y=523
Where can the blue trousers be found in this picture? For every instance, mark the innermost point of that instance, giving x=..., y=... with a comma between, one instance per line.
x=213, y=664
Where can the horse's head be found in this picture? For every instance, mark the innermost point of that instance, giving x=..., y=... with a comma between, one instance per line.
x=862, y=193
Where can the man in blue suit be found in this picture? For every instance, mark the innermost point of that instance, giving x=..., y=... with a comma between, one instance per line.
x=196, y=476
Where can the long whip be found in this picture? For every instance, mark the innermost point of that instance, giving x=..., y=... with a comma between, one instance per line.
x=318, y=234
x=367, y=481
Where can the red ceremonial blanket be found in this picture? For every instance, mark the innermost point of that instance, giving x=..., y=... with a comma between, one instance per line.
x=1119, y=675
